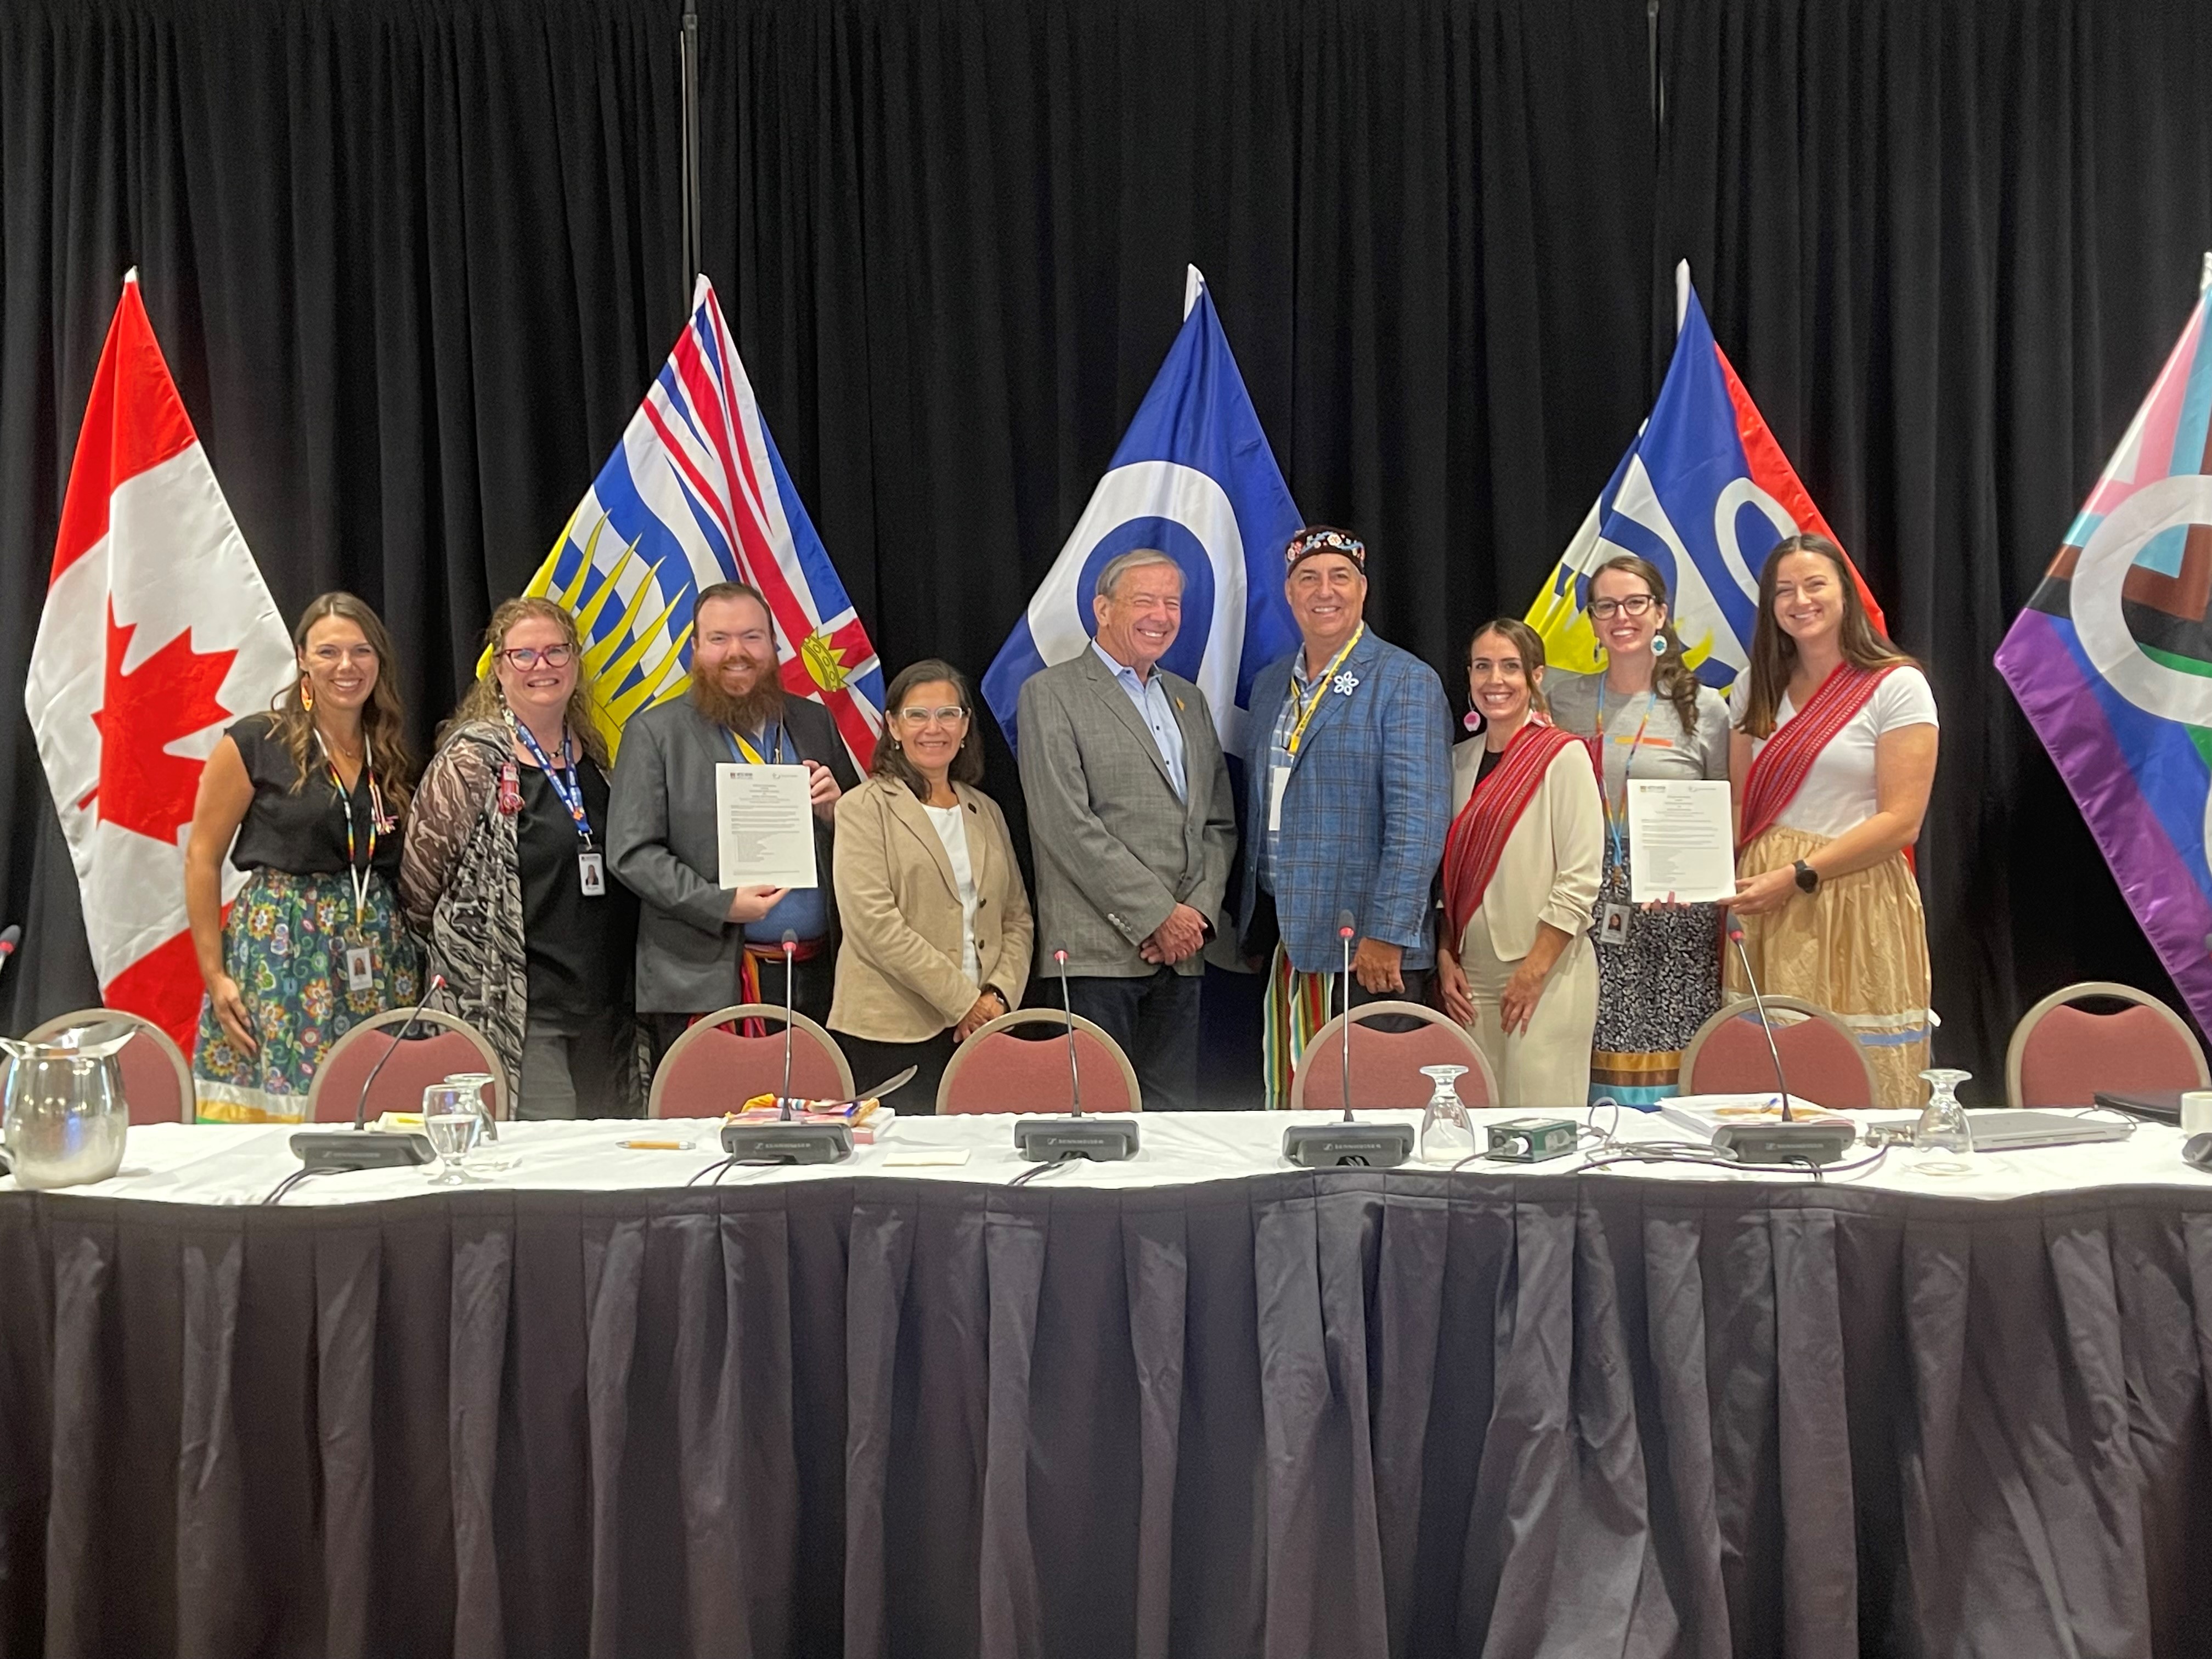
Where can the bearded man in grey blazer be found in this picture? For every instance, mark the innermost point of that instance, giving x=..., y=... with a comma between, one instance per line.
x=1132, y=824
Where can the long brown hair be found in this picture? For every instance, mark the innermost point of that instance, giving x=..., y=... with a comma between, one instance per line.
x=383, y=721
x=484, y=700
x=1774, y=653
x=890, y=760
x=1530, y=644
x=1672, y=676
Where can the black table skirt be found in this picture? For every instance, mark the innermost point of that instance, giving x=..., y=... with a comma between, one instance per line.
x=1345, y=1415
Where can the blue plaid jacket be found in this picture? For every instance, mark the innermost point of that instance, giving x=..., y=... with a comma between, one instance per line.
x=1365, y=812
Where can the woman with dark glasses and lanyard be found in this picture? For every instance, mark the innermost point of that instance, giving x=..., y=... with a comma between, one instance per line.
x=308, y=800
x=506, y=874
x=1648, y=717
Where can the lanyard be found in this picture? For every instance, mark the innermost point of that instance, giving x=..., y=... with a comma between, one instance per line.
x=357, y=870
x=1627, y=768
x=1303, y=707
x=745, y=755
x=565, y=781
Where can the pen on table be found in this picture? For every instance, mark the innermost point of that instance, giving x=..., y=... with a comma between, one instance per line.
x=657, y=1146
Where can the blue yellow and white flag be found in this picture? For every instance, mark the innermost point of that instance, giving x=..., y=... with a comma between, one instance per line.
x=695, y=493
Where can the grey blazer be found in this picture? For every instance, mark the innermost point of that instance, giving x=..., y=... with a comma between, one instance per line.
x=1116, y=851
x=662, y=845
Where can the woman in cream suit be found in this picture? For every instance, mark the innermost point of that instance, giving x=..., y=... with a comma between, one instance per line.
x=1522, y=867
x=937, y=927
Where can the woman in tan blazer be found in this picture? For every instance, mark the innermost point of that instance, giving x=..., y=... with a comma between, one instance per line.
x=937, y=927
x=1521, y=866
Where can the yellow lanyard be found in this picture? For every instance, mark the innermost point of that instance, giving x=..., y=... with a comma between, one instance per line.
x=1304, y=706
x=1627, y=767
x=752, y=756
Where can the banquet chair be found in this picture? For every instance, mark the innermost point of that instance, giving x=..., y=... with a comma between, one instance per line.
x=710, y=1070
x=417, y=1059
x=1386, y=1065
x=157, y=1079
x=2062, y=1055
x=1822, y=1060
x=995, y=1070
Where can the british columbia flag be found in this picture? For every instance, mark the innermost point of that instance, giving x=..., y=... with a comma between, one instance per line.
x=695, y=493
x=2112, y=661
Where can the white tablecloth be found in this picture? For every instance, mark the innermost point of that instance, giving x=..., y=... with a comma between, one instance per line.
x=224, y=1164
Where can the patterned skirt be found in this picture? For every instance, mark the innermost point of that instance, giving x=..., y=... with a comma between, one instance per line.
x=1858, y=947
x=285, y=944
x=1653, y=993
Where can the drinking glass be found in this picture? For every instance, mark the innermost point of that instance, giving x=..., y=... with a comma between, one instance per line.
x=1944, y=1135
x=453, y=1118
x=480, y=1159
x=1446, y=1135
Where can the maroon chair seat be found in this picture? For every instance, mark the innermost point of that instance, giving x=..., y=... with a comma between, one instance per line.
x=1386, y=1065
x=997, y=1070
x=1821, y=1060
x=2062, y=1055
x=157, y=1079
x=436, y=1046
x=711, y=1070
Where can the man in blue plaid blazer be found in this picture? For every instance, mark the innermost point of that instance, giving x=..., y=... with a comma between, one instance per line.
x=1346, y=806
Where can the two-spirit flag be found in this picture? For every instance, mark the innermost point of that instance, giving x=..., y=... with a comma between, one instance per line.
x=157, y=633
x=2112, y=660
x=1704, y=492
x=694, y=495
x=1195, y=477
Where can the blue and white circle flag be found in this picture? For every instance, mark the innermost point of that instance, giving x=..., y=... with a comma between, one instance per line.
x=1194, y=476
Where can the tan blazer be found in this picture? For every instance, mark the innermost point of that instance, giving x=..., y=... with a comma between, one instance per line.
x=1554, y=858
x=898, y=963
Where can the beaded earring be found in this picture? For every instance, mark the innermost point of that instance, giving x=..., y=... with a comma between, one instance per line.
x=307, y=695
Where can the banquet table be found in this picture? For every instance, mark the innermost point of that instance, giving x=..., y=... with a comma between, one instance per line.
x=1201, y=1403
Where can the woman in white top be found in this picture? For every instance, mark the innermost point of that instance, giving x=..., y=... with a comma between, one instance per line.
x=1648, y=718
x=1831, y=757
x=936, y=927
x=1522, y=863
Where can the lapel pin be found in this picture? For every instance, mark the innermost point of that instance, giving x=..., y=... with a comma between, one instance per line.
x=1346, y=684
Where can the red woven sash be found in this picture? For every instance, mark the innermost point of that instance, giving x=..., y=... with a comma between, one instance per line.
x=1779, y=771
x=1484, y=826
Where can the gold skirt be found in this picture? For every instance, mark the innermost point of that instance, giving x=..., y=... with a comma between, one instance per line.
x=1858, y=947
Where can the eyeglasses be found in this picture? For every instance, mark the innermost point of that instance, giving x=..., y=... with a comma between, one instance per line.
x=1635, y=604
x=527, y=657
x=950, y=716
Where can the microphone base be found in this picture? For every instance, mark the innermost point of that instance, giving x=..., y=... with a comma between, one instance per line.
x=1824, y=1141
x=1358, y=1144
x=780, y=1142
x=1051, y=1140
x=357, y=1149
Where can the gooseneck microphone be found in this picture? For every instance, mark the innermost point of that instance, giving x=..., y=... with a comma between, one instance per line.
x=1105, y=1138
x=790, y=974
x=1366, y=1142
x=9, y=941
x=1343, y=933
x=1068, y=1007
x=398, y=1036
x=322, y=1152
x=1793, y=1140
x=1759, y=1002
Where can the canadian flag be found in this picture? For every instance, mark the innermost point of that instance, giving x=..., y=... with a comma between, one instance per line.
x=157, y=633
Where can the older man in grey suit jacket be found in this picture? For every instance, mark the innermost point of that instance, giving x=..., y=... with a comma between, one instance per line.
x=1132, y=823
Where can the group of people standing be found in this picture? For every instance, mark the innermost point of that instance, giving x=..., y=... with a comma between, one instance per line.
x=568, y=905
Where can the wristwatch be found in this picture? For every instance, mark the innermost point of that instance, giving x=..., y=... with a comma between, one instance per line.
x=1808, y=879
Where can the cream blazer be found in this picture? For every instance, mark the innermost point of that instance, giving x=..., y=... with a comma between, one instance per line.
x=898, y=963
x=1554, y=858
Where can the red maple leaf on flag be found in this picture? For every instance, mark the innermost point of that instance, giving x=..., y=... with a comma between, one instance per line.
x=171, y=695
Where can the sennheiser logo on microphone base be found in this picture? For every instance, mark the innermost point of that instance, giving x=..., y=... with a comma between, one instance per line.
x=1101, y=1139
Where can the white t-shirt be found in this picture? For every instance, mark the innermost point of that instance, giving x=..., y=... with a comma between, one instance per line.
x=952, y=830
x=1838, y=794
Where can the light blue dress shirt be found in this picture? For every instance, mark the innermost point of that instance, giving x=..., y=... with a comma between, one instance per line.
x=1152, y=701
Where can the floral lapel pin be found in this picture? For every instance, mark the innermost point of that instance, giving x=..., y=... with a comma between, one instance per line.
x=1346, y=684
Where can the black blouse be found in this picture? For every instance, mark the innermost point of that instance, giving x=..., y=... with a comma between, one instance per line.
x=301, y=832
x=578, y=949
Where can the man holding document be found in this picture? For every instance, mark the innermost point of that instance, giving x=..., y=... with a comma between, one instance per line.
x=721, y=821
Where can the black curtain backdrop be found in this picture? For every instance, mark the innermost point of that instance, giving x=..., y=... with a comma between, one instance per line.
x=414, y=264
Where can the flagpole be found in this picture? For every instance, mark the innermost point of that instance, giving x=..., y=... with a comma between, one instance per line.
x=693, y=259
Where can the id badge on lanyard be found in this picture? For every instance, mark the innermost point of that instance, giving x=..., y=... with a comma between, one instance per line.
x=1278, y=784
x=567, y=783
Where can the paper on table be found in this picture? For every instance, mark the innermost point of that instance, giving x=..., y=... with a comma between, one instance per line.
x=766, y=825
x=1684, y=842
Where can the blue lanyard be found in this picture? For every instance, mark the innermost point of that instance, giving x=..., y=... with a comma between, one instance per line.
x=743, y=753
x=565, y=781
x=1627, y=771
